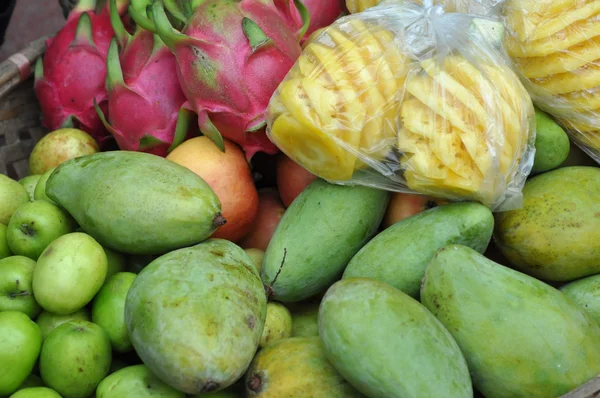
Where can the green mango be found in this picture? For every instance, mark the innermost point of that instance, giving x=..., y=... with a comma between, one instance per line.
x=305, y=318
x=136, y=203
x=316, y=237
x=399, y=255
x=586, y=293
x=195, y=315
x=520, y=336
x=387, y=345
x=552, y=144
x=296, y=367
x=554, y=235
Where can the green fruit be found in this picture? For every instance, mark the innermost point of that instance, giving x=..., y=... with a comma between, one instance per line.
x=257, y=256
x=305, y=319
x=520, y=336
x=318, y=235
x=58, y=146
x=195, y=315
x=554, y=235
x=40, y=188
x=20, y=343
x=36, y=392
x=386, y=344
x=586, y=293
x=48, y=321
x=29, y=183
x=12, y=195
x=278, y=324
x=115, y=262
x=35, y=225
x=16, y=293
x=136, y=264
x=551, y=144
x=108, y=310
x=4, y=249
x=135, y=381
x=120, y=197
x=296, y=367
x=69, y=273
x=75, y=358
x=399, y=255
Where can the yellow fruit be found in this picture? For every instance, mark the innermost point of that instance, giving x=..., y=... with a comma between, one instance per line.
x=355, y=6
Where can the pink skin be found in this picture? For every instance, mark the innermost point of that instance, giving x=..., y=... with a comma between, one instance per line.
x=73, y=72
x=227, y=82
x=144, y=94
x=322, y=13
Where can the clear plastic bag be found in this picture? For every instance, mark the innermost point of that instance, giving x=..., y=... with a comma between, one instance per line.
x=555, y=46
x=480, y=7
x=410, y=99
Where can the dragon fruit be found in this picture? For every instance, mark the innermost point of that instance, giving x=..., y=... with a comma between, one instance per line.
x=231, y=56
x=322, y=13
x=72, y=73
x=144, y=96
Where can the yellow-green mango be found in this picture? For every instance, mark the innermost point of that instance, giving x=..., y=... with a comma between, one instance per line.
x=552, y=144
x=296, y=367
x=586, y=293
x=136, y=203
x=195, y=316
x=520, y=336
x=388, y=345
x=317, y=236
x=12, y=195
x=555, y=235
x=399, y=255
x=305, y=318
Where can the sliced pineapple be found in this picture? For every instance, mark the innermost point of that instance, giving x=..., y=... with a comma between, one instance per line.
x=584, y=78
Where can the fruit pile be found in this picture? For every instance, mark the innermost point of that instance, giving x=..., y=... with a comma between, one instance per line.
x=147, y=255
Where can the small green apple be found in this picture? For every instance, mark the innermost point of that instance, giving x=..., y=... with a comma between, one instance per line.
x=35, y=225
x=108, y=310
x=75, y=358
x=4, y=249
x=16, y=293
x=20, y=343
x=48, y=321
x=257, y=256
x=30, y=183
x=36, y=392
x=12, y=195
x=135, y=381
x=69, y=273
x=40, y=188
x=59, y=146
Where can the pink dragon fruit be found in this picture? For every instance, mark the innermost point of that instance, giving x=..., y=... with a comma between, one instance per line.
x=231, y=56
x=323, y=13
x=144, y=96
x=72, y=73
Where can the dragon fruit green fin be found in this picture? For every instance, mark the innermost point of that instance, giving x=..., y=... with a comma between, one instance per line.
x=180, y=9
x=164, y=29
x=114, y=73
x=150, y=141
x=121, y=33
x=138, y=10
x=184, y=123
x=68, y=123
x=305, y=15
x=85, y=6
x=254, y=33
x=208, y=129
x=103, y=117
x=83, y=32
x=38, y=73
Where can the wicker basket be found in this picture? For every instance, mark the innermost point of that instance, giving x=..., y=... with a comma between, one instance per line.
x=21, y=128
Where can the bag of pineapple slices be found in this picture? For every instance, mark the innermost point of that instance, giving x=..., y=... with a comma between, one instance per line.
x=555, y=46
x=480, y=7
x=408, y=98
